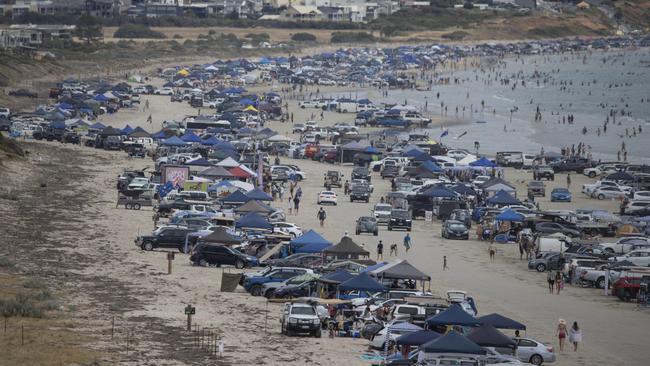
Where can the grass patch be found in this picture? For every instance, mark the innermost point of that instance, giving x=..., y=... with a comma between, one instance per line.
x=137, y=31
x=6, y=262
x=34, y=283
x=455, y=36
x=23, y=305
x=352, y=37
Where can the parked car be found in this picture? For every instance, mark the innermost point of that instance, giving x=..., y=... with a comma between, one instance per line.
x=360, y=172
x=287, y=228
x=536, y=188
x=553, y=227
x=218, y=255
x=399, y=219
x=165, y=237
x=292, y=290
x=333, y=179
x=23, y=93
x=608, y=192
x=164, y=91
x=452, y=229
x=533, y=351
x=5, y=112
x=544, y=172
x=297, y=260
x=589, y=189
x=327, y=197
x=389, y=171
x=381, y=211
x=254, y=284
x=639, y=257
x=627, y=288
x=560, y=195
x=622, y=245
x=367, y=224
x=549, y=261
x=360, y=193
x=577, y=165
x=603, y=169
x=300, y=318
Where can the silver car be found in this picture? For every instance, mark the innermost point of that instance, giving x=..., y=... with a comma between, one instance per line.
x=535, y=352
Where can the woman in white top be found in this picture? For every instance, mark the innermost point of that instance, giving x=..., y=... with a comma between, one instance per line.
x=575, y=336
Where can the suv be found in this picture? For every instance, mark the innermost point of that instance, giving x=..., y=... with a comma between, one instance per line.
x=382, y=213
x=367, y=224
x=165, y=237
x=300, y=318
x=577, y=165
x=399, y=219
x=536, y=188
x=360, y=193
x=254, y=284
x=389, y=171
x=361, y=172
x=333, y=179
x=208, y=254
x=544, y=171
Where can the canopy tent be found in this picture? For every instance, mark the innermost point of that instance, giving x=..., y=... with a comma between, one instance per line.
x=362, y=282
x=431, y=166
x=417, y=338
x=452, y=342
x=339, y=276
x=501, y=322
x=454, y=315
x=349, y=150
x=239, y=173
x=198, y=162
x=236, y=197
x=220, y=235
x=258, y=194
x=310, y=242
x=139, y=132
x=510, y=215
x=97, y=126
x=210, y=141
x=346, y=248
x=278, y=138
x=173, y=141
x=503, y=198
x=400, y=269
x=423, y=157
x=228, y=163
x=439, y=192
x=483, y=162
x=127, y=129
x=110, y=131
x=254, y=206
x=488, y=336
x=215, y=172
x=253, y=220
x=190, y=137
x=463, y=189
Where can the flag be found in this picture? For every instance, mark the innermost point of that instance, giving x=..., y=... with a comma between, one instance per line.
x=461, y=135
x=149, y=119
x=444, y=133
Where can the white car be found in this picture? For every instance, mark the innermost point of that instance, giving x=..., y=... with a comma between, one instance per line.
x=603, y=169
x=457, y=154
x=310, y=125
x=639, y=257
x=277, y=170
x=641, y=196
x=533, y=351
x=589, y=189
x=164, y=91
x=309, y=138
x=315, y=103
x=287, y=228
x=138, y=183
x=636, y=206
x=608, y=192
x=327, y=197
x=140, y=90
x=5, y=112
x=478, y=181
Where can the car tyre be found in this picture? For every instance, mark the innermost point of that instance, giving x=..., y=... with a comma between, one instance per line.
x=317, y=333
x=536, y=360
x=203, y=263
x=600, y=282
x=136, y=206
x=358, y=232
x=147, y=245
x=540, y=267
x=375, y=233
x=592, y=174
x=256, y=290
x=128, y=206
x=601, y=197
x=239, y=264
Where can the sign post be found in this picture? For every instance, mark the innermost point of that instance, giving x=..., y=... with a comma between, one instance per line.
x=170, y=258
x=189, y=311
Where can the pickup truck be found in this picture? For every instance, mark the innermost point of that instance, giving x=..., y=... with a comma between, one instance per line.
x=577, y=165
x=300, y=318
x=596, y=276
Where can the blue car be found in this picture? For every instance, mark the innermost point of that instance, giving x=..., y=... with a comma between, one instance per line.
x=254, y=284
x=560, y=195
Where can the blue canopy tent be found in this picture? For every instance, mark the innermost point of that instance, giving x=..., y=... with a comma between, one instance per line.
x=253, y=220
x=310, y=242
x=97, y=126
x=439, y=192
x=452, y=342
x=463, y=189
x=159, y=135
x=454, y=315
x=198, y=162
x=510, y=215
x=362, y=282
x=488, y=336
x=340, y=276
x=371, y=150
x=374, y=267
x=431, y=166
x=236, y=197
x=127, y=129
x=173, y=141
x=57, y=125
x=501, y=322
x=210, y=141
x=483, y=162
x=101, y=98
x=503, y=198
x=423, y=157
x=190, y=137
x=417, y=338
x=259, y=195
x=413, y=152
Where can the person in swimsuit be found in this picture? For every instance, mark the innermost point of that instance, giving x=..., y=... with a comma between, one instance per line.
x=561, y=333
x=550, y=278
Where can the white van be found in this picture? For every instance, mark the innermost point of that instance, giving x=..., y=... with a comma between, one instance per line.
x=545, y=244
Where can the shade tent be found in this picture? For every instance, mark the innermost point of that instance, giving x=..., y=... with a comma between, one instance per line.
x=228, y=163
x=400, y=269
x=253, y=220
x=173, y=141
x=215, y=172
x=220, y=235
x=198, y=162
x=417, y=338
x=483, y=162
x=139, y=132
x=339, y=276
x=362, y=282
x=346, y=248
x=501, y=322
x=488, y=336
x=254, y=206
x=463, y=189
x=97, y=126
x=110, y=131
x=510, y=215
x=190, y=137
x=127, y=129
x=236, y=197
x=312, y=239
x=454, y=315
x=405, y=327
x=503, y=198
x=431, y=166
x=452, y=342
x=210, y=141
x=439, y=192
x=239, y=173
x=258, y=194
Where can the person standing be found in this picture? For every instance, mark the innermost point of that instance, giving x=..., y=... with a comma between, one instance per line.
x=393, y=249
x=550, y=278
x=346, y=187
x=444, y=263
x=493, y=251
x=380, y=250
x=559, y=281
x=321, y=215
x=561, y=333
x=568, y=181
x=575, y=336
x=296, y=203
x=407, y=242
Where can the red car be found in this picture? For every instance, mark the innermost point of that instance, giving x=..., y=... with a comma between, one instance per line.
x=627, y=288
x=331, y=156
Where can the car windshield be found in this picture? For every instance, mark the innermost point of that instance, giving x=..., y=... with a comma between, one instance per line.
x=457, y=226
x=400, y=214
x=383, y=207
x=560, y=190
x=303, y=310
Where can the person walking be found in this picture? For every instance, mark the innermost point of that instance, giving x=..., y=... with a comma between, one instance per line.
x=407, y=242
x=561, y=333
x=393, y=249
x=380, y=250
x=444, y=263
x=321, y=215
x=559, y=282
x=296, y=203
x=493, y=251
x=550, y=278
x=568, y=181
x=346, y=188
x=575, y=336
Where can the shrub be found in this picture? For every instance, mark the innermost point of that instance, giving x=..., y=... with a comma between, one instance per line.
x=6, y=262
x=21, y=305
x=34, y=283
x=352, y=37
x=137, y=31
x=455, y=36
x=303, y=37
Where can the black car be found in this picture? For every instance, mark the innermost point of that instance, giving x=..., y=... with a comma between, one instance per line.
x=367, y=224
x=164, y=209
x=361, y=172
x=217, y=255
x=389, y=171
x=577, y=165
x=23, y=93
x=453, y=229
x=360, y=193
x=554, y=227
x=288, y=292
x=399, y=219
x=70, y=138
x=419, y=205
x=170, y=237
x=463, y=216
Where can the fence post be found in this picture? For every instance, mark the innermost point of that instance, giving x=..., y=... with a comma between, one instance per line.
x=112, y=326
x=22, y=334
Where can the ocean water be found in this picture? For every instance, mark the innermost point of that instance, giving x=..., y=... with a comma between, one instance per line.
x=586, y=85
